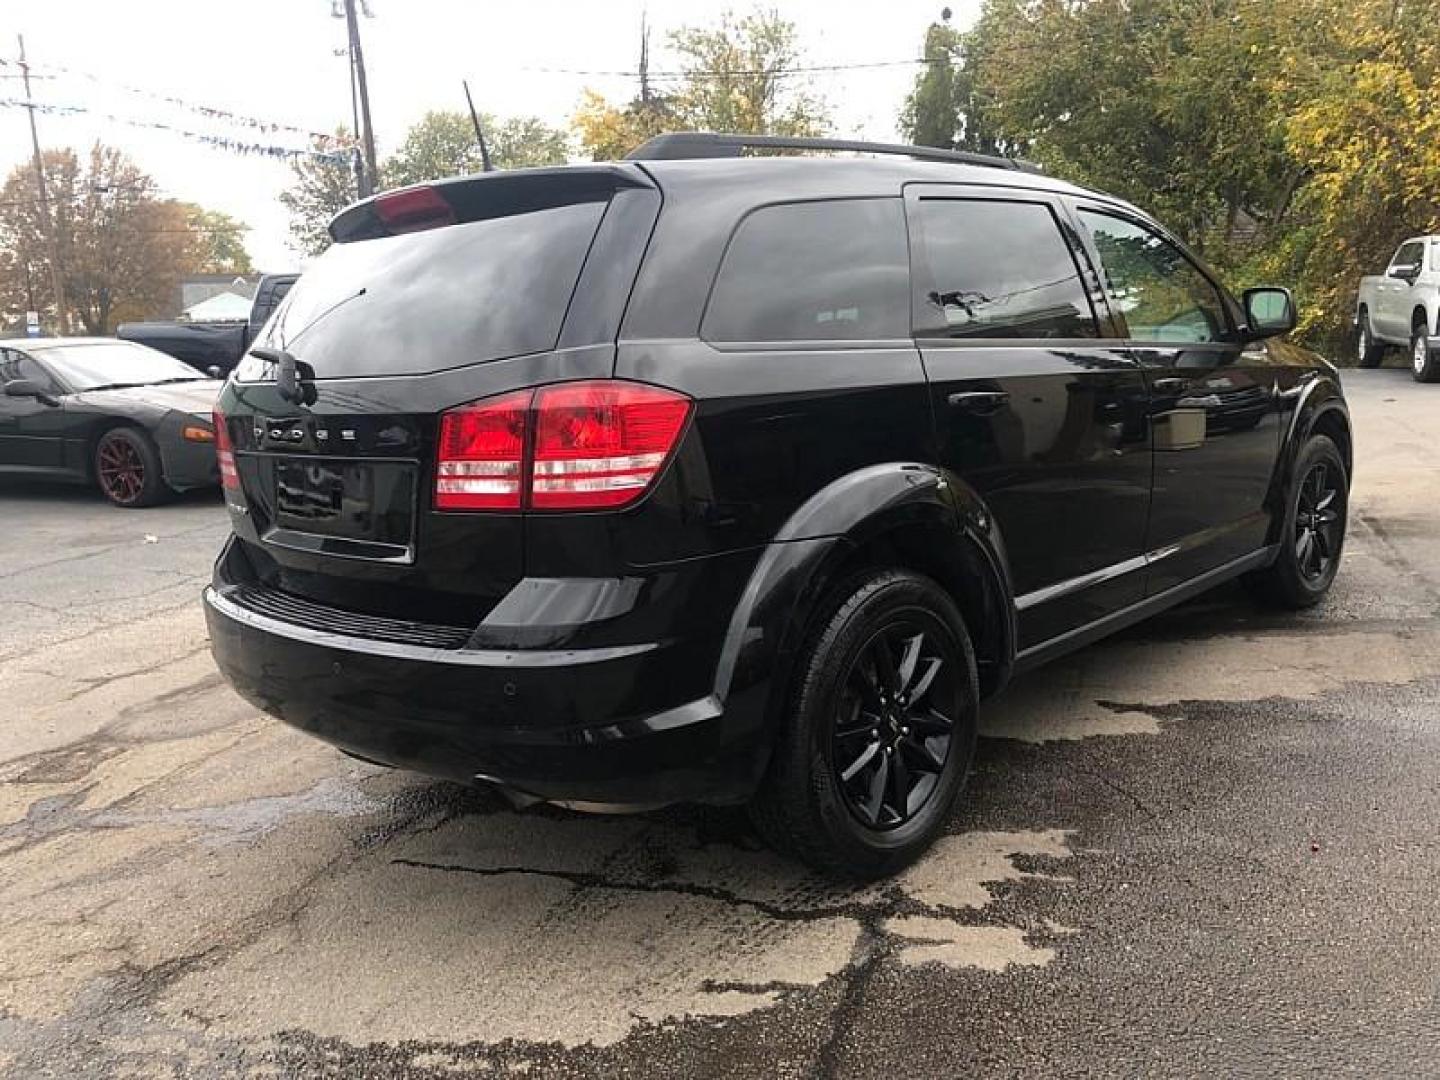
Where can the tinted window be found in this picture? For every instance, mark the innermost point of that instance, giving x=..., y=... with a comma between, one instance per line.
x=998, y=270
x=437, y=299
x=16, y=365
x=1159, y=291
x=821, y=271
x=1410, y=254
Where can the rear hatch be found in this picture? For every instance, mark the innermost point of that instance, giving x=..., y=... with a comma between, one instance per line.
x=431, y=298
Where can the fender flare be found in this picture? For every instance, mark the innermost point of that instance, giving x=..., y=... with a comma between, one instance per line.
x=767, y=627
x=1319, y=397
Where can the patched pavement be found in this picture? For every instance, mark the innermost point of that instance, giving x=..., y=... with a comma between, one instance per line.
x=1211, y=845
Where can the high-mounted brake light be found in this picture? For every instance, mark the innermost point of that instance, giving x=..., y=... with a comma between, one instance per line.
x=225, y=454
x=595, y=445
x=413, y=209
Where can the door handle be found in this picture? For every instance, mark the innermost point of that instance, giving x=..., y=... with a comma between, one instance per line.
x=1171, y=385
x=979, y=402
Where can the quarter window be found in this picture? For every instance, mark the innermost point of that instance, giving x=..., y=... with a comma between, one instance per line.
x=998, y=270
x=818, y=271
x=1160, y=292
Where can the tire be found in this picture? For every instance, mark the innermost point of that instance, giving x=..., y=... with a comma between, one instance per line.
x=1369, y=352
x=1423, y=364
x=1304, y=570
x=128, y=470
x=821, y=801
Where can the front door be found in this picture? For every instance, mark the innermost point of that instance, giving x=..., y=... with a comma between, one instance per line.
x=1039, y=407
x=1395, y=295
x=30, y=431
x=1214, y=414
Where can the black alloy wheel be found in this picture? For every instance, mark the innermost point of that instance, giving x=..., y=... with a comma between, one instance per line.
x=893, y=729
x=1309, y=546
x=1318, y=522
x=878, y=729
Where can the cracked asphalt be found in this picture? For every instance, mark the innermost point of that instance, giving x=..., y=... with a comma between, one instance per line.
x=1208, y=846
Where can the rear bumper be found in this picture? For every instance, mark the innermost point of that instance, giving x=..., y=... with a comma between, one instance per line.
x=589, y=725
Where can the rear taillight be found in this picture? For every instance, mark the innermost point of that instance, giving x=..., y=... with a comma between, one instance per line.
x=481, y=453
x=573, y=446
x=225, y=453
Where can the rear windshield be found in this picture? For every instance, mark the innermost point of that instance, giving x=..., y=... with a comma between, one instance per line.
x=439, y=299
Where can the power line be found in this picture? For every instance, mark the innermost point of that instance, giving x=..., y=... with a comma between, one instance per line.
x=805, y=69
x=219, y=142
x=209, y=111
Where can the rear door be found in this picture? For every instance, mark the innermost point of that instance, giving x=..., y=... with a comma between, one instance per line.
x=1214, y=410
x=1039, y=407
x=31, y=432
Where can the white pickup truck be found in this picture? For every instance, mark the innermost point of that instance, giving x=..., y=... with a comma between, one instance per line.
x=1402, y=308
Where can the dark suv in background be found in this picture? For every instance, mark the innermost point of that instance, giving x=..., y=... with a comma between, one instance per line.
x=711, y=477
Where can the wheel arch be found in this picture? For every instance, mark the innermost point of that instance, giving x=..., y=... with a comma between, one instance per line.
x=101, y=427
x=909, y=515
x=1320, y=411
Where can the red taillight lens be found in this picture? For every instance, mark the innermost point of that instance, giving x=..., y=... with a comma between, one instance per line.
x=595, y=446
x=413, y=209
x=225, y=453
x=480, y=456
x=600, y=444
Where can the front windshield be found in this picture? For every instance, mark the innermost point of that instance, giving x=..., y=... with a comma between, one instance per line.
x=91, y=365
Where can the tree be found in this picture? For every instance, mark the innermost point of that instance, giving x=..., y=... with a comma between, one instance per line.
x=324, y=185
x=737, y=75
x=1296, y=143
x=220, y=241
x=122, y=250
x=945, y=107
x=442, y=144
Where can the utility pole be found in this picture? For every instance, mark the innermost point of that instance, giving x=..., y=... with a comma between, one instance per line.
x=357, y=73
x=52, y=224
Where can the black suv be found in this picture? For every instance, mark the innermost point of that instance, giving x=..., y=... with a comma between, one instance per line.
x=713, y=477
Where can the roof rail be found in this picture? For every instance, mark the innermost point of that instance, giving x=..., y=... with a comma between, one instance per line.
x=689, y=145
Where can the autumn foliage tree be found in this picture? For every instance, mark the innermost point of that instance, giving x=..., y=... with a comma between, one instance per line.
x=1295, y=143
x=735, y=75
x=122, y=248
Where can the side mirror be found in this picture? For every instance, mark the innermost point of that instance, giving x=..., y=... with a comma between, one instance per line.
x=1407, y=272
x=1269, y=312
x=26, y=388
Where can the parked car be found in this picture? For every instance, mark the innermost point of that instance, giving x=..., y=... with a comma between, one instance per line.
x=130, y=420
x=1402, y=307
x=750, y=476
x=212, y=347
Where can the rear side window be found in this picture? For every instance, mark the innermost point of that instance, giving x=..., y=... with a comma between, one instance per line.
x=997, y=269
x=438, y=299
x=819, y=271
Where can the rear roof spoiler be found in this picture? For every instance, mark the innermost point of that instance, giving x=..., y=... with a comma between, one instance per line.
x=692, y=145
x=476, y=198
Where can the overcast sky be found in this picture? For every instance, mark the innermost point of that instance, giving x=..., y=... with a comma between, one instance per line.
x=274, y=60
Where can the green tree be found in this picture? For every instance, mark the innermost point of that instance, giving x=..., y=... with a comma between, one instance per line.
x=220, y=241
x=945, y=108
x=736, y=75
x=323, y=186
x=442, y=144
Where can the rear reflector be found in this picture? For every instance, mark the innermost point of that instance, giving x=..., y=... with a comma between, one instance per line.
x=225, y=454
x=413, y=209
x=594, y=445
